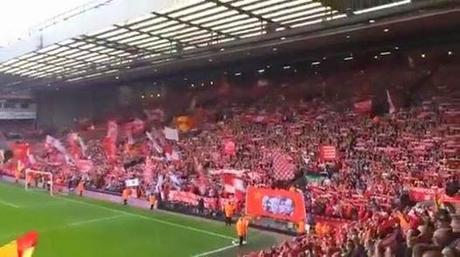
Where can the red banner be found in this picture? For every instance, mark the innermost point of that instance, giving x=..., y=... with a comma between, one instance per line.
x=328, y=153
x=20, y=151
x=420, y=194
x=192, y=199
x=276, y=204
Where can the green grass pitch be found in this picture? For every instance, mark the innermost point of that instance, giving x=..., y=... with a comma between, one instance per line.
x=77, y=227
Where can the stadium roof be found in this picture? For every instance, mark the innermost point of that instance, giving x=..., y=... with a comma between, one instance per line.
x=164, y=36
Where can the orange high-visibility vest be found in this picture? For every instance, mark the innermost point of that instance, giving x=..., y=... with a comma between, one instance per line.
x=126, y=193
x=228, y=209
x=301, y=227
x=152, y=199
x=240, y=227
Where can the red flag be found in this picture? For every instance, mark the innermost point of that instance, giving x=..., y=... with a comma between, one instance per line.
x=328, y=153
x=232, y=184
x=229, y=147
x=283, y=167
x=23, y=246
x=84, y=165
x=363, y=106
x=20, y=151
x=110, y=148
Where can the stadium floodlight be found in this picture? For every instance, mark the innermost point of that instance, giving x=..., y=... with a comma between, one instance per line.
x=39, y=180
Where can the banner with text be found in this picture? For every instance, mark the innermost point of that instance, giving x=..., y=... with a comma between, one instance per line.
x=276, y=204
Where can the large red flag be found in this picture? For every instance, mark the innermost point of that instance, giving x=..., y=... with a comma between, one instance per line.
x=234, y=185
x=110, y=148
x=23, y=246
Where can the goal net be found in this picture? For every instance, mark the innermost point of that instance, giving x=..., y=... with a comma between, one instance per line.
x=39, y=180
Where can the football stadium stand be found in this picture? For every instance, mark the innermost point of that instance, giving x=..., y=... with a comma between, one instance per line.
x=334, y=122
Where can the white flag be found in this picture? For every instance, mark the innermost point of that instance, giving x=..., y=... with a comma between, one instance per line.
x=171, y=134
x=392, y=108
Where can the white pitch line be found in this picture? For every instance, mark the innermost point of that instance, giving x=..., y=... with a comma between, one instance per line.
x=9, y=204
x=73, y=224
x=216, y=251
x=150, y=218
x=84, y=222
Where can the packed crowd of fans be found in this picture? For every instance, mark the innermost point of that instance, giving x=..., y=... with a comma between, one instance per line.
x=380, y=155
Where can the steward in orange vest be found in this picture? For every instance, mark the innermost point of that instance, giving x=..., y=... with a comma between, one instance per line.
x=125, y=195
x=228, y=212
x=242, y=229
x=152, y=201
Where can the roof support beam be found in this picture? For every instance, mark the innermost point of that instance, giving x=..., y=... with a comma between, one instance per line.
x=171, y=40
x=190, y=24
x=248, y=13
x=48, y=65
x=132, y=50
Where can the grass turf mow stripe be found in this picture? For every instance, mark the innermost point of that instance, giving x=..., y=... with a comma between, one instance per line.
x=77, y=227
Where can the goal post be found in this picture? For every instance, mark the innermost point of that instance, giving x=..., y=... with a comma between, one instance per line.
x=35, y=179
